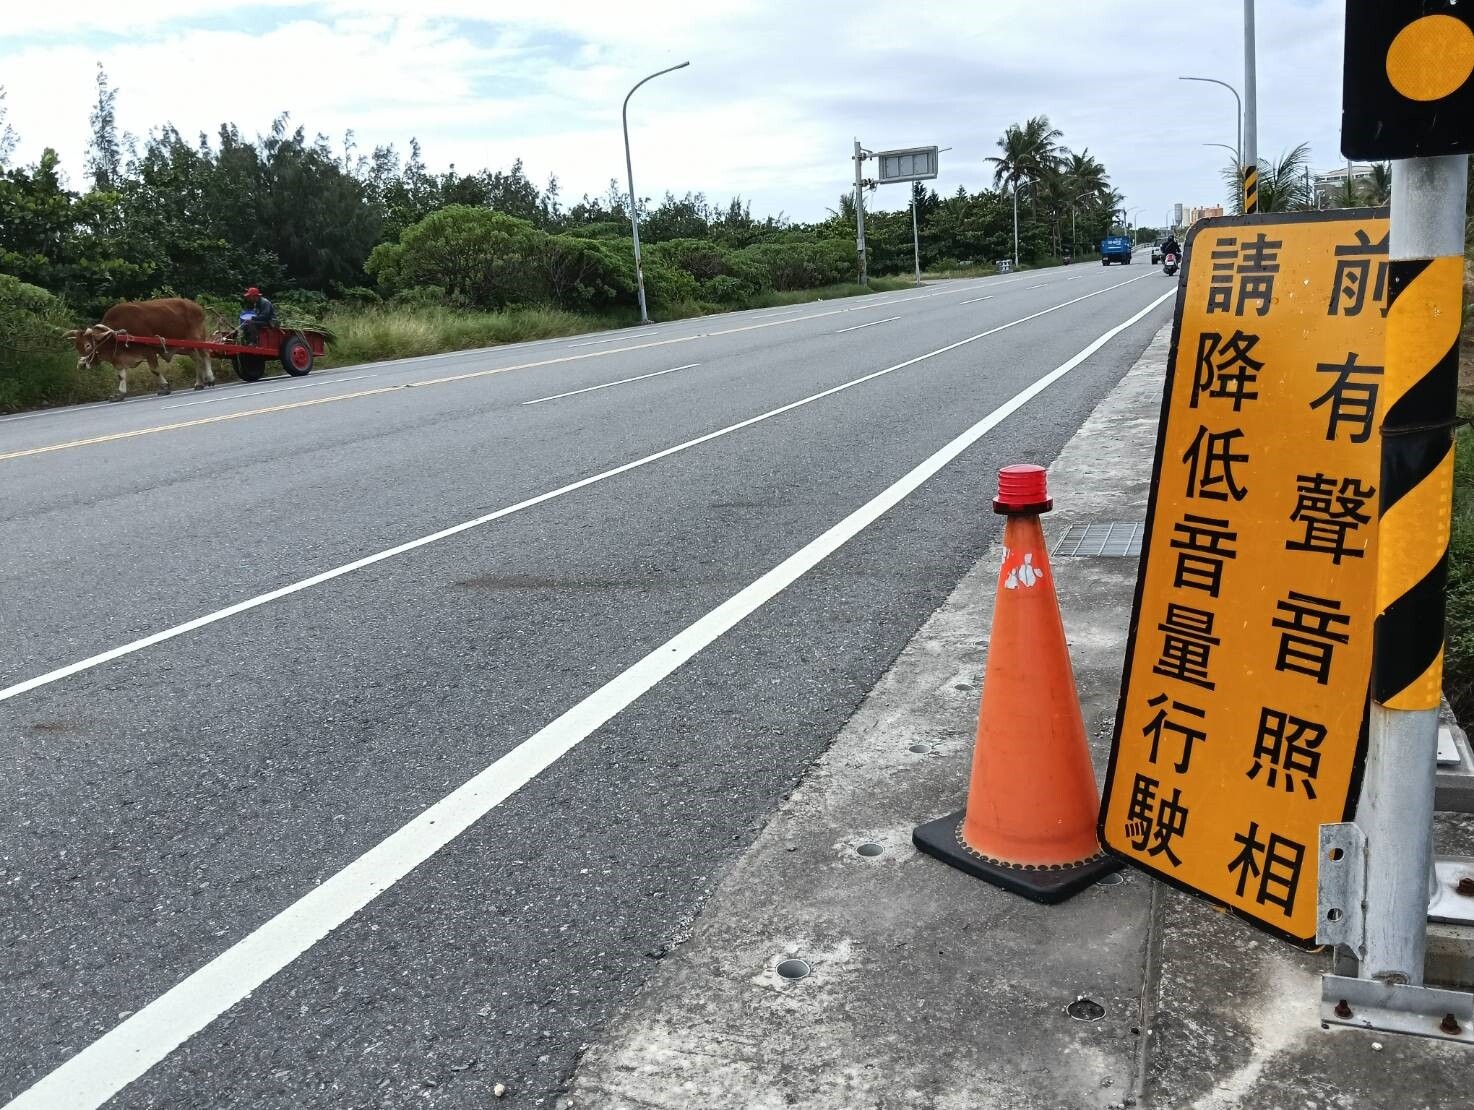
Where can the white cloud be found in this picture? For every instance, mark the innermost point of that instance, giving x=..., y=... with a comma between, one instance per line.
x=774, y=95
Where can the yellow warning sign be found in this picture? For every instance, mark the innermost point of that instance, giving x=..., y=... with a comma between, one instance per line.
x=1243, y=702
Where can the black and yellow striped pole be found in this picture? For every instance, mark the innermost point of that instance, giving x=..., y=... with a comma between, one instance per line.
x=1251, y=190
x=1408, y=97
x=1419, y=395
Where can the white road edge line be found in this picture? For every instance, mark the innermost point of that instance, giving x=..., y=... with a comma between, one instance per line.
x=378, y=557
x=267, y=392
x=140, y=1041
x=610, y=385
x=870, y=324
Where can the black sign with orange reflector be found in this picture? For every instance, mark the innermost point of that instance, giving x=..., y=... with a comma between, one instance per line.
x=1409, y=82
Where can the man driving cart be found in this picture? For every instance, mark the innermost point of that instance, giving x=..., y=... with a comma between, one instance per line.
x=261, y=313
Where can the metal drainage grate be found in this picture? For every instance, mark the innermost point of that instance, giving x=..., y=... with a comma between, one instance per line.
x=1119, y=539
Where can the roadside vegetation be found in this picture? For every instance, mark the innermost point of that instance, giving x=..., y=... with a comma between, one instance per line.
x=398, y=260
x=1458, y=680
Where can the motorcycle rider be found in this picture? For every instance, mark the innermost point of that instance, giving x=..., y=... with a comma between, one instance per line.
x=1169, y=246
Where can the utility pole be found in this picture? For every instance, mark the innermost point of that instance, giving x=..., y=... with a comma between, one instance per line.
x=1250, y=167
x=860, y=157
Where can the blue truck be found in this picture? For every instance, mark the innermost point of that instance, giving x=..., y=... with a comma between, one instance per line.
x=1115, y=248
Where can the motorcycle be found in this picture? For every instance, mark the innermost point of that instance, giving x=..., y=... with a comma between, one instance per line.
x=1169, y=264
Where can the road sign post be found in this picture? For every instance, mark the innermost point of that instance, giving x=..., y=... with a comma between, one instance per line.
x=892, y=167
x=1242, y=713
x=1407, y=97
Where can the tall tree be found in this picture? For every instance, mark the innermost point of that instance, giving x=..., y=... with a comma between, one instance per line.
x=1376, y=190
x=1284, y=185
x=8, y=137
x=1026, y=151
x=104, y=152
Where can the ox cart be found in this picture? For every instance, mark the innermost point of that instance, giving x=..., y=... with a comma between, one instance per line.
x=296, y=348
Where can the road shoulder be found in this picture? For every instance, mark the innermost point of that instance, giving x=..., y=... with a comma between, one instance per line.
x=928, y=989
x=932, y=991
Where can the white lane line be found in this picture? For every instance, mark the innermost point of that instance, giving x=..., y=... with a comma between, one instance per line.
x=130, y=1049
x=379, y=556
x=599, y=342
x=975, y=300
x=870, y=324
x=611, y=385
x=267, y=392
x=60, y=410
x=1039, y=286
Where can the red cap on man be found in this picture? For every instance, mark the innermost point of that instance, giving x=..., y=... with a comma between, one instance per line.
x=252, y=292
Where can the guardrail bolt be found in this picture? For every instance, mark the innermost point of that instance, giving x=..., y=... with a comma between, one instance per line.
x=1450, y=1025
x=1342, y=1010
x=1466, y=886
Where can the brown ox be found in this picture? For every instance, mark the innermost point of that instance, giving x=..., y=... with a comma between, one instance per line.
x=169, y=318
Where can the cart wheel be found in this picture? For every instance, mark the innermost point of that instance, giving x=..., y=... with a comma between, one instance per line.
x=296, y=356
x=250, y=368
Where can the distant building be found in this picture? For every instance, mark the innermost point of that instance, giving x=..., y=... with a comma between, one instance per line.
x=1330, y=185
x=1194, y=213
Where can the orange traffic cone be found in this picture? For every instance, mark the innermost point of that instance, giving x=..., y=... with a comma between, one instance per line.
x=1029, y=825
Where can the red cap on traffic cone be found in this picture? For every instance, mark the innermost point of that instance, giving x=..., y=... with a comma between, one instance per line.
x=1029, y=825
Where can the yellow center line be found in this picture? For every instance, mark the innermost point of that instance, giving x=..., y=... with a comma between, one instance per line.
x=113, y=437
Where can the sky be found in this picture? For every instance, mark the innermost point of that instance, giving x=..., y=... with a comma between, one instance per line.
x=775, y=95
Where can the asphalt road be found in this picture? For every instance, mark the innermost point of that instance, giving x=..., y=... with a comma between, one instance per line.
x=222, y=685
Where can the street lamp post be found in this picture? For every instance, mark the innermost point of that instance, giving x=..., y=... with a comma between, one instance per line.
x=630, y=171
x=1131, y=222
x=1074, y=204
x=1238, y=150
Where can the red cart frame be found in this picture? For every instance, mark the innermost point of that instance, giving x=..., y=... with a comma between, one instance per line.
x=296, y=348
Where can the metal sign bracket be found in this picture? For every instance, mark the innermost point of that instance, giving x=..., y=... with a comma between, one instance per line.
x=1341, y=887
x=1340, y=920
x=1397, y=1008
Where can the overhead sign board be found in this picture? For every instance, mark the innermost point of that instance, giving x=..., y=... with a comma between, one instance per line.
x=1409, y=79
x=918, y=163
x=1241, y=726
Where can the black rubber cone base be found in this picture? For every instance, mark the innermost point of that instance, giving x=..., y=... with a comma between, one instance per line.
x=942, y=839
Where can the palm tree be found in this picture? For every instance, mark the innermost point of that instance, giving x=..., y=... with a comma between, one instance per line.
x=1376, y=190
x=1027, y=151
x=1082, y=172
x=1030, y=151
x=1081, y=180
x=1283, y=185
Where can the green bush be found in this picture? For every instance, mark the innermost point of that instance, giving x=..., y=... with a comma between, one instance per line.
x=724, y=290
x=38, y=365
x=793, y=265
x=477, y=256
x=1458, y=680
x=581, y=274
